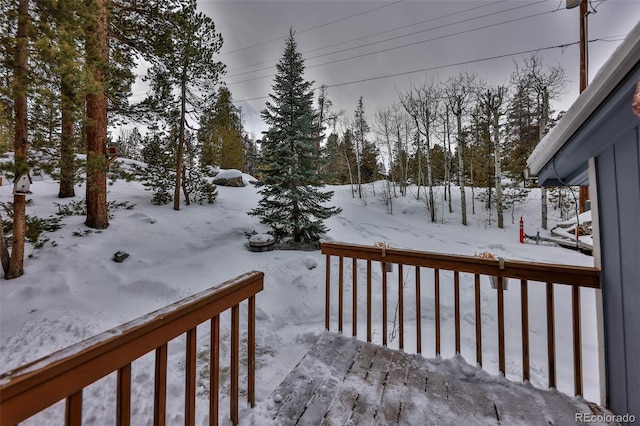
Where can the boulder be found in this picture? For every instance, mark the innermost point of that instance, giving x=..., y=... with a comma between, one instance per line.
x=233, y=181
x=229, y=177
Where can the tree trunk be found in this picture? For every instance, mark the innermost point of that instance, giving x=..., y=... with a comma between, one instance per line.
x=498, y=168
x=432, y=207
x=97, y=58
x=67, y=154
x=5, y=259
x=447, y=165
x=180, y=154
x=67, y=106
x=20, y=147
x=463, y=198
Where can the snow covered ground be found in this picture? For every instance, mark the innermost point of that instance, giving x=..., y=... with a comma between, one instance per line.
x=73, y=290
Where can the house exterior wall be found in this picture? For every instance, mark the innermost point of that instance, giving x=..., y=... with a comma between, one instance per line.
x=618, y=188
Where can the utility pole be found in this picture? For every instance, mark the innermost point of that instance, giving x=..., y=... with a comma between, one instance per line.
x=584, y=68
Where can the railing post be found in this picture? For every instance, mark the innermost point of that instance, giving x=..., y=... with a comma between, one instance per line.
x=551, y=338
x=251, y=352
x=436, y=296
x=401, y=305
x=235, y=338
x=190, y=379
x=577, y=342
x=456, y=308
x=123, y=405
x=478, y=320
x=501, y=350
x=340, y=292
x=73, y=409
x=418, y=313
x=327, y=304
x=524, y=299
x=368, y=300
x=384, y=304
x=354, y=299
x=160, y=387
x=214, y=369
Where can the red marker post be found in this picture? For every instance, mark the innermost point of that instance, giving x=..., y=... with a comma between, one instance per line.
x=521, y=230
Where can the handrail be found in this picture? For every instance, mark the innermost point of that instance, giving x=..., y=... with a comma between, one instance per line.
x=31, y=388
x=575, y=276
x=561, y=274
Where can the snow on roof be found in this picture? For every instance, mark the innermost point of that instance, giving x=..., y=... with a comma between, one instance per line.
x=621, y=62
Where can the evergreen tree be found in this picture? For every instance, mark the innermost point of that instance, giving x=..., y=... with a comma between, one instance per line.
x=186, y=72
x=360, y=131
x=291, y=203
x=157, y=175
x=220, y=133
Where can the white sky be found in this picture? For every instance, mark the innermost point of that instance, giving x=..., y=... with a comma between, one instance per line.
x=254, y=33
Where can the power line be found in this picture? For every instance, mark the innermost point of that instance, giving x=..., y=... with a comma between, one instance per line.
x=404, y=45
x=414, y=33
x=374, y=34
x=314, y=27
x=506, y=55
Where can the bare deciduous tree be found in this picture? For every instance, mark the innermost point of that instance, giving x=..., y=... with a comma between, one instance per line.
x=492, y=101
x=458, y=92
x=422, y=103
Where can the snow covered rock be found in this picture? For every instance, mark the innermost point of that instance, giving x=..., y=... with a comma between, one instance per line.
x=229, y=177
x=261, y=242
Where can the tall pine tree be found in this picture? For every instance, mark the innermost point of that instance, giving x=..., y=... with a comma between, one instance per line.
x=292, y=203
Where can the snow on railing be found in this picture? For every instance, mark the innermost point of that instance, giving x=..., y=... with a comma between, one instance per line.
x=499, y=270
x=30, y=389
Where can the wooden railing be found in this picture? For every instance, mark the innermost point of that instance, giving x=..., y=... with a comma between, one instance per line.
x=526, y=272
x=63, y=375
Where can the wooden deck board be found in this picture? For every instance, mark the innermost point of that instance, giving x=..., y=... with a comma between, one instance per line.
x=367, y=404
x=343, y=381
x=340, y=410
x=301, y=384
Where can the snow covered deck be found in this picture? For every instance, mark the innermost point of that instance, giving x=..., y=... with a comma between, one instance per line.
x=342, y=381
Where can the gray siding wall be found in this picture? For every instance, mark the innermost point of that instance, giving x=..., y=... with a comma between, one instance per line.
x=618, y=180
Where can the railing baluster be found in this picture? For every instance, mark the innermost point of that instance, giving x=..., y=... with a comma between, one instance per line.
x=123, y=405
x=235, y=339
x=251, y=353
x=501, y=350
x=368, y=300
x=160, y=387
x=436, y=296
x=577, y=342
x=73, y=409
x=524, y=299
x=354, y=308
x=214, y=371
x=478, y=320
x=384, y=304
x=418, y=313
x=190, y=379
x=401, y=305
x=456, y=308
x=551, y=338
x=340, y=292
x=327, y=304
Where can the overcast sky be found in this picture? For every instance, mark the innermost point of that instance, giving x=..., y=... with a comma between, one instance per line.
x=351, y=46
